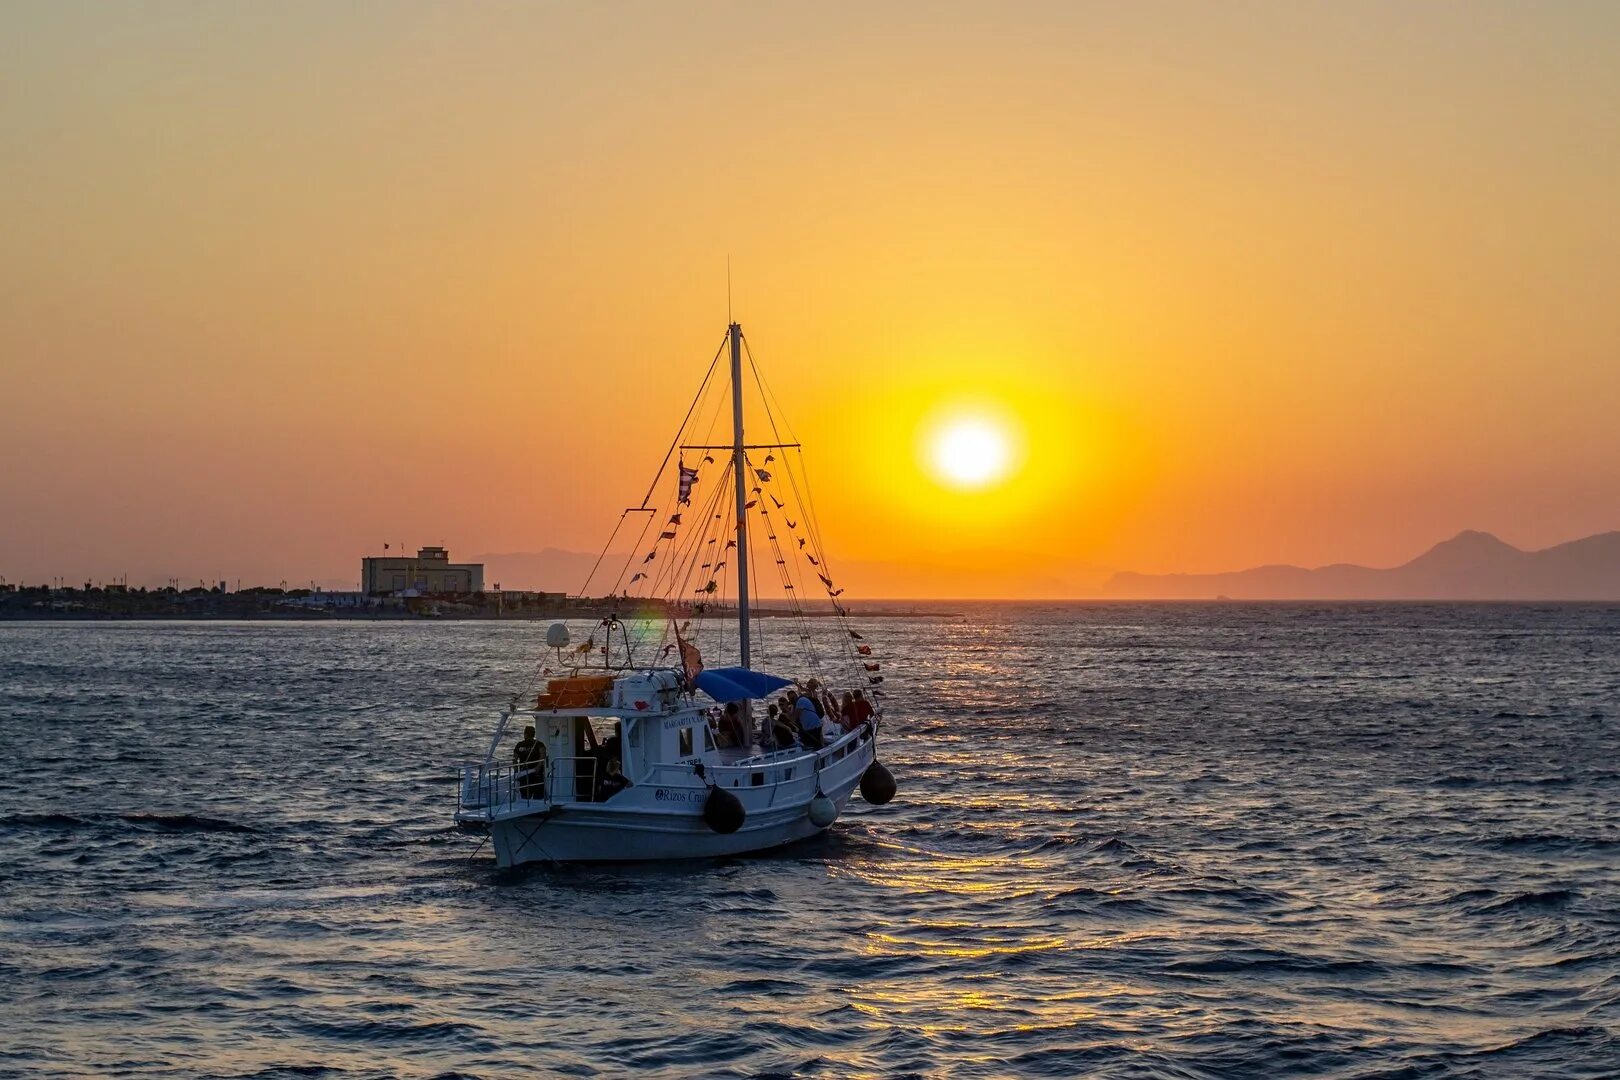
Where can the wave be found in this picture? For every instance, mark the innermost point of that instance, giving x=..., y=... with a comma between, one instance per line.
x=1545, y=900
x=1552, y=841
x=174, y=823
x=1258, y=961
x=465, y=1036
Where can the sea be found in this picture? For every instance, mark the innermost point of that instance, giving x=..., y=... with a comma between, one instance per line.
x=1217, y=840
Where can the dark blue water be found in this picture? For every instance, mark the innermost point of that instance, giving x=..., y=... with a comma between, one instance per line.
x=1157, y=841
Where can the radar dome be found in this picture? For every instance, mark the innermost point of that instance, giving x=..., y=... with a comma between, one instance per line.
x=557, y=635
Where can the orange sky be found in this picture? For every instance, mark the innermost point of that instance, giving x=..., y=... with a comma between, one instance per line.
x=1252, y=282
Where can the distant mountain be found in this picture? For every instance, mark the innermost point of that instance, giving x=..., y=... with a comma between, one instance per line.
x=549, y=570
x=1470, y=566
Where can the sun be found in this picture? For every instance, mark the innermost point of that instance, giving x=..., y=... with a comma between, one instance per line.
x=970, y=452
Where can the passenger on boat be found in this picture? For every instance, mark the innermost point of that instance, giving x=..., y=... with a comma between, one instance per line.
x=780, y=725
x=614, y=782
x=529, y=759
x=846, y=713
x=809, y=718
x=732, y=729
x=863, y=709
x=767, y=736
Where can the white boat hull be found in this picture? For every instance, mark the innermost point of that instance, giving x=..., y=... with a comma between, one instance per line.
x=652, y=821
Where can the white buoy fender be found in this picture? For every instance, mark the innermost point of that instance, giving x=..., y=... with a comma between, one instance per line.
x=823, y=811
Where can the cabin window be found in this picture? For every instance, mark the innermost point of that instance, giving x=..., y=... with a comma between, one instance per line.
x=686, y=742
x=758, y=779
x=708, y=739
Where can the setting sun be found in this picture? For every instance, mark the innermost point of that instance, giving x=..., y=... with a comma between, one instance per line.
x=970, y=453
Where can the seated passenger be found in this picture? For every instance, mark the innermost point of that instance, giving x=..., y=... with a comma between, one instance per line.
x=614, y=782
x=732, y=722
x=846, y=713
x=809, y=719
x=767, y=736
x=782, y=736
x=863, y=709
x=529, y=765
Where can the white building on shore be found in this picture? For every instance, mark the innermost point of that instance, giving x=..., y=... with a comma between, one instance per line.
x=429, y=571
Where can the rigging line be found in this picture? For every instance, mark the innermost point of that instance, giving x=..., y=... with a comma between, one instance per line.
x=712, y=528
x=795, y=608
x=671, y=554
x=592, y=575
x=634, y=551
x=657, y=578
x=767, y=396
x=805, y=501
x=704, y=390
x=707, y=375
x=793, y=586
x=675, y=552
x=722, y=407
x=684, y=561
x=753, y=575
x=685, y=550
x=662, y=513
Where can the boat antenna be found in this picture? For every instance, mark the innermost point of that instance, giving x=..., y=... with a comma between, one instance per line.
x=728, y=287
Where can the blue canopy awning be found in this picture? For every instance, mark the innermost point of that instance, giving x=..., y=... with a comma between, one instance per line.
x=738, y=683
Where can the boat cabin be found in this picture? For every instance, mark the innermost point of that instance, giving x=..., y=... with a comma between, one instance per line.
x=638, y=718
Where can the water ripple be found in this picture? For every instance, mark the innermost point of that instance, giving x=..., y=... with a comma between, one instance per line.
x=1156, y=841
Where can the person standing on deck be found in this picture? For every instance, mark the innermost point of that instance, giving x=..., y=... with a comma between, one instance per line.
x=529, y=761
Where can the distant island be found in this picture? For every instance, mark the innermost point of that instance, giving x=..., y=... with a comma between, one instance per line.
x=1470, y=566
x=118, y=602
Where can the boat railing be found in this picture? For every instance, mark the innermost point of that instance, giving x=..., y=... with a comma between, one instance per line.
x=490, y=786
x=493, y=786
x=775, y=767
x=572, y=779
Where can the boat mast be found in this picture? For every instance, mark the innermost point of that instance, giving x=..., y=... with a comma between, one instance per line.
x=739, y=469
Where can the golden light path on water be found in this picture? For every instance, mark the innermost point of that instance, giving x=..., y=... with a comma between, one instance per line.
x=1198, y=841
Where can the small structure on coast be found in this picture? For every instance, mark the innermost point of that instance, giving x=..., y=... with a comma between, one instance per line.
x=428, y=571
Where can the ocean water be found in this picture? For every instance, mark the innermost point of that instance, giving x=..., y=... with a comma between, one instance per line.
x=1175, y=841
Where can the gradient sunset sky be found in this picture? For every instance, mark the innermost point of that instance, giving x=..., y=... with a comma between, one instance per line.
x=1242, y=283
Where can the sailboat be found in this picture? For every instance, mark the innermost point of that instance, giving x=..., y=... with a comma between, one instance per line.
x=621, y=759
